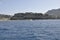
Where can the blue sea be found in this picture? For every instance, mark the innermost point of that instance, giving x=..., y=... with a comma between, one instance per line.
x=30, y=30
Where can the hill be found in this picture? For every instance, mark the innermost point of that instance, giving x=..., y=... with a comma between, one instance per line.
x=54, y=13
x=29, y=15
x=4, y=17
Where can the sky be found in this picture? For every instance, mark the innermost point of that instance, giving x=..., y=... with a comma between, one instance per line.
x=17, y=6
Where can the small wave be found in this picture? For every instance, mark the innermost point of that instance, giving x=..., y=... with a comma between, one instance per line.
x=3, y=29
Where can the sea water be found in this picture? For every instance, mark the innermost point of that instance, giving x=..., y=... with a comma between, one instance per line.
x=30, y=30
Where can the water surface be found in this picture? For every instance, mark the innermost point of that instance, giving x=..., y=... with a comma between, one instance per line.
x=30, y=30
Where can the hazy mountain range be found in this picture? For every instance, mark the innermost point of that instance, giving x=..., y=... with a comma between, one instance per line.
x=50, y=14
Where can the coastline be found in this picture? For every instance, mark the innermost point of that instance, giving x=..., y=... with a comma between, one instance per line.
x=27, y=19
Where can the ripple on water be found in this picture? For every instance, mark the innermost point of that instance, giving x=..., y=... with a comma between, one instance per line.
x=29, y=30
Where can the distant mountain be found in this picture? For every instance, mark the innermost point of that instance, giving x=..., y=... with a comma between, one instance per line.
x=54, y=12
x=4, y=17
x=50, y=14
